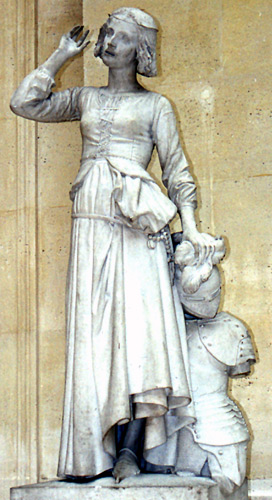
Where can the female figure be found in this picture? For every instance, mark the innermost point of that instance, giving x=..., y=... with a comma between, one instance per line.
x=125, y=358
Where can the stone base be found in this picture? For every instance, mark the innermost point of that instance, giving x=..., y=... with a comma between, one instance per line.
x=142, y=487
x=260, y=489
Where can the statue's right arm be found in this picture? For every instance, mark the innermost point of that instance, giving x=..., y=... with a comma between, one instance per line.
x=33, y=99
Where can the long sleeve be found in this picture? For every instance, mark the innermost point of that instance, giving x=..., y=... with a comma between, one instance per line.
x=35, y=100
x=176, y=176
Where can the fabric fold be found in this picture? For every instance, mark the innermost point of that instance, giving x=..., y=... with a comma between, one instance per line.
x=122, y=340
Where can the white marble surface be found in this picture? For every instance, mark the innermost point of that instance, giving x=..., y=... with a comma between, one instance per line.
x=149, y=486
x=260, y=489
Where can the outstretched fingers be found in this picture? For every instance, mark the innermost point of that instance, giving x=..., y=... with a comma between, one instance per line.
x=83, y=38
x=74, y=32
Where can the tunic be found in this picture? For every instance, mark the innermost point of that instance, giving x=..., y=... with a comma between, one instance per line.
x=124, y=343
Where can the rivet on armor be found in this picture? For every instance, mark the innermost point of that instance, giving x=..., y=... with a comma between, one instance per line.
x=151, y=243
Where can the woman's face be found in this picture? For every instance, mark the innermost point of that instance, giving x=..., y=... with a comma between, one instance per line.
x=120, y=44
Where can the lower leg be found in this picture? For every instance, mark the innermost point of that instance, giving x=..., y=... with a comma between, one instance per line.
x=127, y=462
x=133, y=435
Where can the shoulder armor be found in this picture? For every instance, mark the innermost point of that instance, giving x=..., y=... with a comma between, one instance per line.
x=226, y=339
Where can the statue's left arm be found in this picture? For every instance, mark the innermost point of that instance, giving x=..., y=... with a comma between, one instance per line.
x=177, y=177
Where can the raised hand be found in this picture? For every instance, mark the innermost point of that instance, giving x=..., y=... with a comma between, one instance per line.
x=69, y=44
x=68, y=47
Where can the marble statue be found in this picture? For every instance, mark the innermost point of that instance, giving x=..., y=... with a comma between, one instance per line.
x=126, y=362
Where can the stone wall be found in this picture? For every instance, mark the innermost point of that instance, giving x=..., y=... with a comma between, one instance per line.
x=214, y=65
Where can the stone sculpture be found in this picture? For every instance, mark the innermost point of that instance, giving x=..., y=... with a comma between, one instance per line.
x=127, y=360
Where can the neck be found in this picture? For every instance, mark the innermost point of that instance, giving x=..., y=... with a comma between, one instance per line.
x=123, y=80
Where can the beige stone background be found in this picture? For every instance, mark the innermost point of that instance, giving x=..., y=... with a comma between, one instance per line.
x=215, y=67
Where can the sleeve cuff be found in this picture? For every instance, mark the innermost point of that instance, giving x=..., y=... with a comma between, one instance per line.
x=39, y=84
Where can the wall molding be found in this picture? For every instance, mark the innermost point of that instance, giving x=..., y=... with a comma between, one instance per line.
x=27, y=393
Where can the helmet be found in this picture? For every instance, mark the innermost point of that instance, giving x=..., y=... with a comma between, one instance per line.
x=205, y=301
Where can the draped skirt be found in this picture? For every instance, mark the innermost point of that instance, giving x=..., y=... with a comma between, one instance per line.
x=124, y=341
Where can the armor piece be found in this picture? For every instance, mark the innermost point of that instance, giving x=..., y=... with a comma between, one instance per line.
x=218, y=438
x=195, y=271
x=226, y=339
x=226, y=464
x=205, y=301
x=218, y=420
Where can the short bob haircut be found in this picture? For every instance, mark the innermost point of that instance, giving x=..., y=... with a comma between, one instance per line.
x=147, y=38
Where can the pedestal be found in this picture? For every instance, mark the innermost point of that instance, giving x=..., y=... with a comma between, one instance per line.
x=143, y=487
